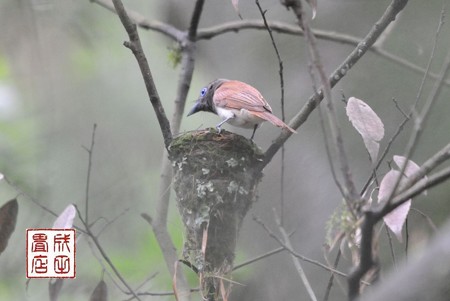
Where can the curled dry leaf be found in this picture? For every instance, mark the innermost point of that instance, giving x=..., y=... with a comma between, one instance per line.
x=8, y=218
x=100, y=292
x=236, y=7
x=65, y=219
x=367, y=123
x=396, y=218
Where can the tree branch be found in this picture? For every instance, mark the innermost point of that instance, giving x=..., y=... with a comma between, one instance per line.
x=280, y=27
x=135, y=46
x=389, y=15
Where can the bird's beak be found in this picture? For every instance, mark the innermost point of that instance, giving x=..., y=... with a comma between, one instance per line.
x=195, y=108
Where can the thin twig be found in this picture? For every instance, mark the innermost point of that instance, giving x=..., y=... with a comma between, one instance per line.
x=331, y=280
x=258, y=258
x=297, y=264
x=391, y=246
x=156, y=294
x=134, y=44
x=90, y=152
x=104, y=255
x=283, y=117
x=426, y=217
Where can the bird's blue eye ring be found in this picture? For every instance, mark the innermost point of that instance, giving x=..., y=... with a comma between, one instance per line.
x=203, y=92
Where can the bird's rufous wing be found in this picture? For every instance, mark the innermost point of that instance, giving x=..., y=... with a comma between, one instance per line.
x=238, y=95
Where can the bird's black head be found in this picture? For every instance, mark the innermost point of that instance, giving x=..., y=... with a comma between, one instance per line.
x=205, y=101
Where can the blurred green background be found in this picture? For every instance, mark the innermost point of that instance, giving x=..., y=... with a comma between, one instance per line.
x=63, y=68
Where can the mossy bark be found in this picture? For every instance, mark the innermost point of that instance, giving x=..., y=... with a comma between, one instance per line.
x=215, y=180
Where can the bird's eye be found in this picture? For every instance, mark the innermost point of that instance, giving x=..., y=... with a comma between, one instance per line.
x=203, y=92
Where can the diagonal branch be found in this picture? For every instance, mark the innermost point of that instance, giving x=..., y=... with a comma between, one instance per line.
x=389, y=16
x=349, y=190
x=135, y=46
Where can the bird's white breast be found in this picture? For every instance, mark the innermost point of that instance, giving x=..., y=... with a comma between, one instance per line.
x=240, y=118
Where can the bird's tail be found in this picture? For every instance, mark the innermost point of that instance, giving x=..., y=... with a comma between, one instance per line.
x=274, y=120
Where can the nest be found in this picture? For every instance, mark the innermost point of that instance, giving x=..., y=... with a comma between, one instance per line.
x=215, y=181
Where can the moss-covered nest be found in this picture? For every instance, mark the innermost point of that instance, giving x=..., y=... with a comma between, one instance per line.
x=215, y=182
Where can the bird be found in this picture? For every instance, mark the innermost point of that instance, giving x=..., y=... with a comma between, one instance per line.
x=237, y=103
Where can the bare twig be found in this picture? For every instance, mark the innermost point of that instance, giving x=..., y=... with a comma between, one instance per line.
x=104, y=255
x=298, y=255
x=283, y=117
x=331, y=280
x=156, y=294
x=391, y=246
x=134, y=44
x=265, y=255
x=90, y=152
x=389, y=15
x=286, y=242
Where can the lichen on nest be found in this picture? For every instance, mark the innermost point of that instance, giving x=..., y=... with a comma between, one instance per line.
x=215, y=180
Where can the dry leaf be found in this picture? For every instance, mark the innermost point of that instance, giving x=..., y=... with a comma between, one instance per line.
x=367, y=123
x=396, y=218
x=8, y=218
x=236, y=7
x=65, y=219
x=100, y=292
